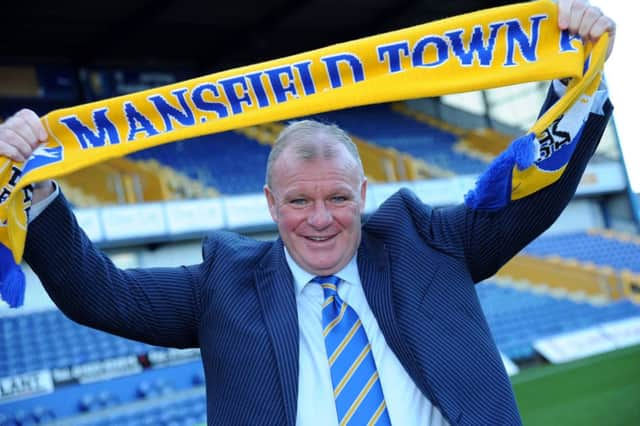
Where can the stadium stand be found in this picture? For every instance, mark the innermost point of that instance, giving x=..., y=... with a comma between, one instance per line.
x=385, y=126
x=76, y=375
x=596, y=247
x=123, y=181
x=49, y=340
x=594, y=262
x=566, y=274
x=518, y=317
x=212, y=161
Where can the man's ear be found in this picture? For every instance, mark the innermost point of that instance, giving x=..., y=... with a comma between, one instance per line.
x=363, y=195
x=271, y=202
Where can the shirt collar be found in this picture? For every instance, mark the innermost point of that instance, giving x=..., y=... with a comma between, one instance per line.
x=301, y=277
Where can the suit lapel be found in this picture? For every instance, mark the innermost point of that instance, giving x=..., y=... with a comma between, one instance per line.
x=375, y=274
x=276, y=292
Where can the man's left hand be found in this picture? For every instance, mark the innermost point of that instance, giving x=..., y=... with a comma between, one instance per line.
x=579, y=17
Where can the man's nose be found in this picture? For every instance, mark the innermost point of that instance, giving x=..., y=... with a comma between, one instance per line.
x=321, y=216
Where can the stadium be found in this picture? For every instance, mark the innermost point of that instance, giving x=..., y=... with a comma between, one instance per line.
x=564, y=312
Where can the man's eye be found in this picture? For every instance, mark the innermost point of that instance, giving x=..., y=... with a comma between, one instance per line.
x=339, y=199
x=298, y=201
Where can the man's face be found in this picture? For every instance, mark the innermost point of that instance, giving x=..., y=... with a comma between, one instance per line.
x=317, y=205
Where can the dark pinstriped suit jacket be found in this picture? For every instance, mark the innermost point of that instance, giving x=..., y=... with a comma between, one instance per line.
x=418, y=267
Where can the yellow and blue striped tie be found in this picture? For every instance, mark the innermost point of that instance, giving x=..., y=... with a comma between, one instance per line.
x=356, y=386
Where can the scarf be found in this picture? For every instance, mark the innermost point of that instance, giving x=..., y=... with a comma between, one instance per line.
x=485, y=49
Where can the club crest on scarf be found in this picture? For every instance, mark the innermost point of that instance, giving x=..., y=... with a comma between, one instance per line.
x=44, y=155
x=555, y=149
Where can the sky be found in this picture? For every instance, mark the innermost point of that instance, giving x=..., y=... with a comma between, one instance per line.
x=624, y=84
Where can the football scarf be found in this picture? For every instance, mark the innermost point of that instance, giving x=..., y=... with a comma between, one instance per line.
x=485, y=49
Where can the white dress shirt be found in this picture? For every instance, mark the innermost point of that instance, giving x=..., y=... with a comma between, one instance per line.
x=37, y=208
x=405, y=403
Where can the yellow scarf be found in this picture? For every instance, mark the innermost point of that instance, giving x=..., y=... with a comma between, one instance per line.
x=490, y=48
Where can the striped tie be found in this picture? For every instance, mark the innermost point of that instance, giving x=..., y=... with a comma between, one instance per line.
x=356, y=386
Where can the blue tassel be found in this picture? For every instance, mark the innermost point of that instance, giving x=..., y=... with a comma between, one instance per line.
x=12, y=281
x=525, y=151
x=493, y=188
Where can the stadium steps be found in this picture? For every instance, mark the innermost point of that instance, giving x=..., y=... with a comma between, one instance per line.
x=266, y=133
x=602, y=252
x=556, y=272
x=178, y=185
x=121, y=181
x=484, y=144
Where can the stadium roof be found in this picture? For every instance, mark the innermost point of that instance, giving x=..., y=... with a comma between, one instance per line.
x=208, y=34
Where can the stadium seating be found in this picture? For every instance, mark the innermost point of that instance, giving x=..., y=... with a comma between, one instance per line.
x=187, y=411
x=590, y=247
x=597, y=263
x=173, y=395
x=94, y=377
x=380, y=132
x=230, y=161
x=383, y=126
x=49, y=340
x=518, y=317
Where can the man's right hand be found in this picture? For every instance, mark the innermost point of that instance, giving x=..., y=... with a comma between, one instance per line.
x=20, y=135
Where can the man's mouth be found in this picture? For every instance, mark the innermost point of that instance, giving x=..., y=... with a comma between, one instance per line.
x=319, y=239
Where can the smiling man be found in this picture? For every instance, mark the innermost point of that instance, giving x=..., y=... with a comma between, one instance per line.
x=335, y=322
x=316, y=192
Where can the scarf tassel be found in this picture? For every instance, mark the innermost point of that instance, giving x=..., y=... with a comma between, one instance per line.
x=493, y=188
x=12, y=280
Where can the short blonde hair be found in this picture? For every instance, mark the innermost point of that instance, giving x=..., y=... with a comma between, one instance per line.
x=301, y=133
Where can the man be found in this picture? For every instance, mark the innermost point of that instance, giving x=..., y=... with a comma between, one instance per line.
x=334, y=322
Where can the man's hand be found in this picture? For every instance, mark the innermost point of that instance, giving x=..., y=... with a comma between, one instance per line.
x=20, y=135
x=579, y=17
